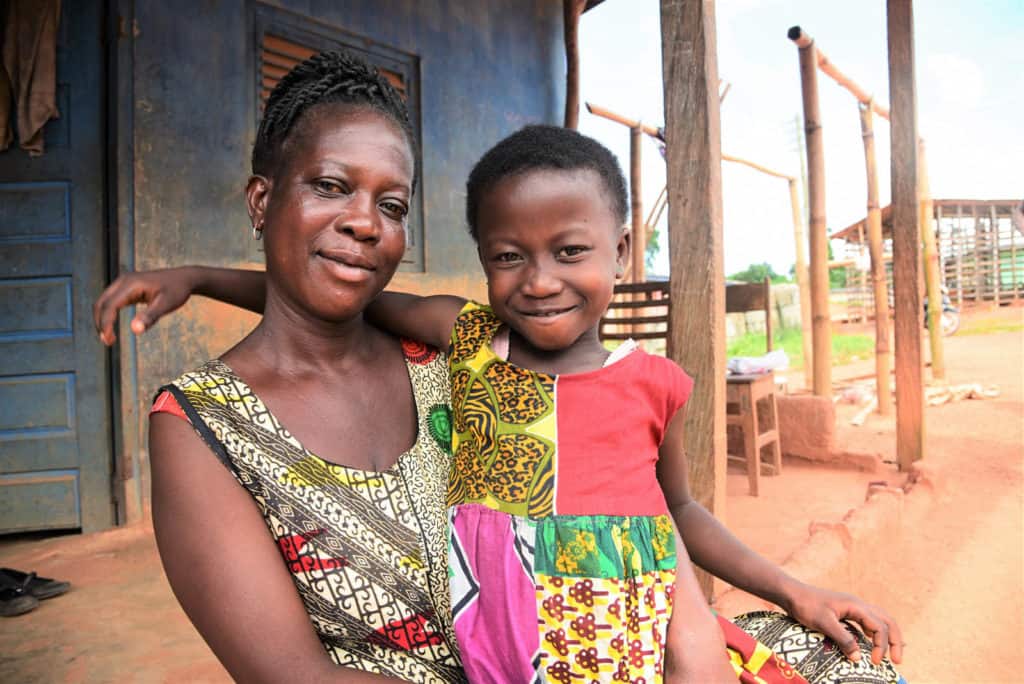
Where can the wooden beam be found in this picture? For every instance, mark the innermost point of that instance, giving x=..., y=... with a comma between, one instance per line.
x=821, y=323
x=906, y=233
x=697, y=276
x=932, y=279
x=883, y=358
x=571, y=11
x=637, y=205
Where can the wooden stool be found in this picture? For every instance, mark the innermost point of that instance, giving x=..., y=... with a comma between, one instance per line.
x=742, y=395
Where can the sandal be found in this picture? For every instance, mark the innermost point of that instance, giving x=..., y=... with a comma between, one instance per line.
x=15, y=599
x=38, y=587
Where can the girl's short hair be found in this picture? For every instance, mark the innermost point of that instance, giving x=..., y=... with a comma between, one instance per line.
x=540, y=147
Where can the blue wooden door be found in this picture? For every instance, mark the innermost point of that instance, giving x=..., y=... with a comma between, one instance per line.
x=55, y=442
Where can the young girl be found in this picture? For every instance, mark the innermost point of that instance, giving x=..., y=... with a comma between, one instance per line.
x=569, y=470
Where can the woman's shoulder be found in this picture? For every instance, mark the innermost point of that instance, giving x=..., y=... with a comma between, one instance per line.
x=208, y=369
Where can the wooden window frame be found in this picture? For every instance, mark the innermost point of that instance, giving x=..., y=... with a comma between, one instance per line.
x=319, y=36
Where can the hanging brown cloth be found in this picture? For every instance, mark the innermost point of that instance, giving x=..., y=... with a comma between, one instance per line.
x=29, y=79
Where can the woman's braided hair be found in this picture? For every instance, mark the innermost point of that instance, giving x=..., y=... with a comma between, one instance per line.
x=326, y=77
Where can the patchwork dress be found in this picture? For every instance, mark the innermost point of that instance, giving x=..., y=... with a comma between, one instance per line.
x=365, y=549
x=562, y=550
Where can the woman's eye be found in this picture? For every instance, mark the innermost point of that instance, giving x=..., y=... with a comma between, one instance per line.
x=571, y=251
x=328, y=186
x=396, y=210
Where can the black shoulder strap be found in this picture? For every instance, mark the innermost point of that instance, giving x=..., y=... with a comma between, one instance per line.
x=200, y=426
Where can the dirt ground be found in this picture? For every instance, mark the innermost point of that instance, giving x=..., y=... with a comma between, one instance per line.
x=954, y=577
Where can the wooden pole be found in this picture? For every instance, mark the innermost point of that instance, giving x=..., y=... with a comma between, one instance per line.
x=997, y=265
x=697, y=274
x=1016, y=221
x=820, y=317
x=637, y=205
x=571, y=11
x=800, y=38
x=932, y=279
x=802, y=282
x=883, y=359
x=959, y=242
x=906, y=233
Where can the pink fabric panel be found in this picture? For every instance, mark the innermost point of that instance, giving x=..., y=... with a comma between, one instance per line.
x=492, y=648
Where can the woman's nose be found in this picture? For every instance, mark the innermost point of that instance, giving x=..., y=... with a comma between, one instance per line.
x=359, y=219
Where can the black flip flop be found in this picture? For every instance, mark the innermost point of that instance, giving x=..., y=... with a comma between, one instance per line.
x=16, y=600
x=38, y=587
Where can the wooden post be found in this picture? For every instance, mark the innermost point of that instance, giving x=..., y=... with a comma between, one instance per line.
x=821, y=319
x=906, y=240
x=997, y=266
x=800, y=270
x=932, y=279
x=883, y=360
x=697, y=275
x=1016, y=222
x=571, y=11
x=637, y=205
x=979, y=270
x=959, y=256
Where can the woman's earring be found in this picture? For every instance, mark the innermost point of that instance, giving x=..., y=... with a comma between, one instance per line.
x=257, y=231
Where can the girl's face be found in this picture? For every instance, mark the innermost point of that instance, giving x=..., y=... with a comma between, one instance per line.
x=552, y=250
x=334, y=214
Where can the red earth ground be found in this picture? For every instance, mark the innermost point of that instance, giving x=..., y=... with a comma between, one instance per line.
x=952, y=575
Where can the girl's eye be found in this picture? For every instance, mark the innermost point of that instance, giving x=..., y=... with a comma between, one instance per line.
x=394, y=209
x=507, y=257
x=571, y=251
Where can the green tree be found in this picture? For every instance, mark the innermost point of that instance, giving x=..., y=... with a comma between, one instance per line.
x=756, y=273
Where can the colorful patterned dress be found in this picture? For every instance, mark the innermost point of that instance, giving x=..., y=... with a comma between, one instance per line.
x=562, y=553
x=562, y=550
x=366, y=549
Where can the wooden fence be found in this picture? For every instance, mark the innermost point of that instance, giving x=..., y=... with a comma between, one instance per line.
x=981, y=257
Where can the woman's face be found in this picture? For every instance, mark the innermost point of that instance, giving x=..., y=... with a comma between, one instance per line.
x=334, y=214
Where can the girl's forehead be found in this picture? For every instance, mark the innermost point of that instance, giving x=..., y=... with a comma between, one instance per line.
x=559, y=191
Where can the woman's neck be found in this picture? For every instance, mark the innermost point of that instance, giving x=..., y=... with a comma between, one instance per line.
x=294, y=341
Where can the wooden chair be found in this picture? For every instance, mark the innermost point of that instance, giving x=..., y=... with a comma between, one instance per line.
x=750, y=399
x=640, y=311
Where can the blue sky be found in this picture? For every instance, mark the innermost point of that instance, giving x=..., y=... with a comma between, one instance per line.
x=970, y=80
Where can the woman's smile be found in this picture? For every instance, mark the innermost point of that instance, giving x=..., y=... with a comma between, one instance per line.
x=346, y=264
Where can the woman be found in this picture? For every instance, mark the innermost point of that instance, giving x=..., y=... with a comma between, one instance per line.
x=357, y=513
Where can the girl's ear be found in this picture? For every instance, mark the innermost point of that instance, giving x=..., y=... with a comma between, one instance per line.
x=257, y=194
x=622, y=252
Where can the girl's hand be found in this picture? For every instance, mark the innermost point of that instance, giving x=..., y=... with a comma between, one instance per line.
x=823, y=610
x=161, y=291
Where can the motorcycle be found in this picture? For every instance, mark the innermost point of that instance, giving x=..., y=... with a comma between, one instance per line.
x=949, y=320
